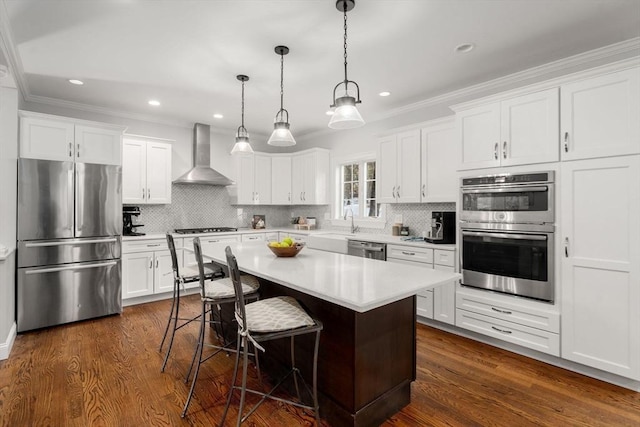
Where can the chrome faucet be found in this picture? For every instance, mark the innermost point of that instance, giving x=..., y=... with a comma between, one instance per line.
x=354, y=228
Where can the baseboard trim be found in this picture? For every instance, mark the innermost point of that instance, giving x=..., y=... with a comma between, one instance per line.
x=5, y=347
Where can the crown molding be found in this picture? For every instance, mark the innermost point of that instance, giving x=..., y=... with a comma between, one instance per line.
x=7, y=45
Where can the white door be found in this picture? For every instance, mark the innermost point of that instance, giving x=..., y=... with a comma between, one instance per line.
x=478, y=132
x=408, y=167
x=262, y=179
x=158, y=172
x=600, y=262
x=98, y=145
x=386, y=170
x=163, y=271
x=529, y=128
x=440, y=156
x=600, y=116
x=281, y=180
x=137, y=274
x=297, y=179
x=246, y=180
x=134, y=171
x=309, y=171
x=444, y=299
x=46, y=139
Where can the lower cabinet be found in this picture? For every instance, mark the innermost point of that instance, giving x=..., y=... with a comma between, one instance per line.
x=437, y=303
x=205, y=243
x=146, y=267
x=528, y=325
x=297, y=237
x=252, y=237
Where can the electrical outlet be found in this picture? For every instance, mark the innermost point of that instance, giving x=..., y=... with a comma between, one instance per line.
x=397, y=219
x=240, y=211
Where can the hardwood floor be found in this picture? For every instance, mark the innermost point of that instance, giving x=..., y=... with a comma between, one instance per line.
x=106, y=372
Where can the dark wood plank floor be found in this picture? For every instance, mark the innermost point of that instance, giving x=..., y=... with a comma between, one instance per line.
x=106, y=372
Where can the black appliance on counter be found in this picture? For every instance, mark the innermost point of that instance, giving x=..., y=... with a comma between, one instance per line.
x=128, y=212
x=443, y=228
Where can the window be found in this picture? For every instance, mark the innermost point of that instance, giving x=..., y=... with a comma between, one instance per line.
x=358, y=190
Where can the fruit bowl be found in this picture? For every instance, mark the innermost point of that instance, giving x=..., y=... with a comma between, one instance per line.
x=286, y=251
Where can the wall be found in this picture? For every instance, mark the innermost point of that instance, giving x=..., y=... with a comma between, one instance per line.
x=8, y=209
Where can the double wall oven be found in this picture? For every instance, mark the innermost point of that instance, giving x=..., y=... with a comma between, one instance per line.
x=507, y=234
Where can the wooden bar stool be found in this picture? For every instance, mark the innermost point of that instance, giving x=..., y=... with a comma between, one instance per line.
x=188, y=275
x=266, y=320
x=213, y=294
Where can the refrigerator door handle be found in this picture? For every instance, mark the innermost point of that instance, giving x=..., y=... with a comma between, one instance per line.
x=70, y=267
x=79, y=208
x=67, y=242
x=70, y=198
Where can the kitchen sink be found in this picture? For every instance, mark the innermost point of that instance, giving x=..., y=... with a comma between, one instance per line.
x=331, y=242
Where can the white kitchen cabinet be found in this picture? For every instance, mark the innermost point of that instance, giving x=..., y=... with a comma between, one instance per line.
x=297, y=237
x=147, y=267
x=439, y=157
x=444, y=296
x=281, y=180
x=599, y=116
x=530, y=324
x=310, y=177
x=514, y=131
x=600, y=263
x=47, y=137
x=205, y=244
x=146, y=170
x=398, y=168
x=254, y=183
x=255, y=237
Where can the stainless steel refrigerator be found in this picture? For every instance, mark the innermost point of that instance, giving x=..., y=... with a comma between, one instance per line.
x=69, y=242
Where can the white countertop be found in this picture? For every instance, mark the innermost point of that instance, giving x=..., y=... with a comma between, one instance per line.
x=360, y=284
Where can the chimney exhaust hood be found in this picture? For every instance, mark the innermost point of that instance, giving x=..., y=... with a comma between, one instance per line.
x=202, y=173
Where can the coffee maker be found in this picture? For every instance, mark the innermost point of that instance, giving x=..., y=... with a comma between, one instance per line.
x=442, y=228
x=128, y=212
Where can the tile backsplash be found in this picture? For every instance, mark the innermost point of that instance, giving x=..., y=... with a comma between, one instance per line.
x=210, y=206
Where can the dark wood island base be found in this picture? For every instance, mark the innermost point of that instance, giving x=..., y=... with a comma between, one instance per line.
x=367, y=361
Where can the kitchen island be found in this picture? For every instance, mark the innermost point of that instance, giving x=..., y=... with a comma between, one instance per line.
x=367, y=357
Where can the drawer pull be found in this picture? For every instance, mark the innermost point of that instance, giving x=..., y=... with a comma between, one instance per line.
x=154, y=245
x=501, y=311
x=408, y=253
x=504, y=331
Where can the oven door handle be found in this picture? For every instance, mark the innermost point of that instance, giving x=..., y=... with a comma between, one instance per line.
x=505, y=235
x=536, y=189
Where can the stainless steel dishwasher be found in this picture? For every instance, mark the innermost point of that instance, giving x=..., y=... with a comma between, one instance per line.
x=371, y=250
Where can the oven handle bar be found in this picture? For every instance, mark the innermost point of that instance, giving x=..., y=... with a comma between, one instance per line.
x=505, y=235
x=507, y=189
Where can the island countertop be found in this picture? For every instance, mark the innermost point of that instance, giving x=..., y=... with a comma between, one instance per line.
x=360, y=284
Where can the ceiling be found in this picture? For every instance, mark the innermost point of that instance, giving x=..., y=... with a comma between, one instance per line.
x=187, y=53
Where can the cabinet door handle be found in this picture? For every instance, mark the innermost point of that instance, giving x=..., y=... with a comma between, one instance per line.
x=423, y=188
x=504, y=149
x=78, y=151
x=148, y=194
x=301, y=199
x=408, y=253
x=393, y=192
x=157, y=263
x=70, y=149
x=495, y=151
x=501, y=311
x=398, y=191
x=566, y=247
x=143, y=193
x=288, y=196
x=150, y=264
x=154, y=245
x=304, y=195
x=566, y=142
x=504, y=331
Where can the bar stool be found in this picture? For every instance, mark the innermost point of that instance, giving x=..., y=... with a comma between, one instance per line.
x=213, y=294
x=189, y=275
x=266, y=320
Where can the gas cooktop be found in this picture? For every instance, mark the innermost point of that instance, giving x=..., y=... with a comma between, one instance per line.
x=204, y=230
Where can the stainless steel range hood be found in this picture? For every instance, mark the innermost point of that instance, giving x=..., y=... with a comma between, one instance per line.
x=202, y=173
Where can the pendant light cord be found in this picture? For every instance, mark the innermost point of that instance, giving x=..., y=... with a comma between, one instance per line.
x=282, y=81
x=346, y=81
x=243, y=106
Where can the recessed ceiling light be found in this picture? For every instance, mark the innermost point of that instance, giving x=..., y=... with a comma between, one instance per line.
x=329, y=113
x=154, y=102
x=217, y=116
x=76, y=82
x=385, y=93
x=464, y=48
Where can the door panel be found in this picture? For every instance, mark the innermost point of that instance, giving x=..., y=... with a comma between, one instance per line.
x=98, y=200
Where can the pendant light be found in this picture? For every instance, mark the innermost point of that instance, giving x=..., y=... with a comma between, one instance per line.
x=346, y=115
x=242, y=145
x=281, y=136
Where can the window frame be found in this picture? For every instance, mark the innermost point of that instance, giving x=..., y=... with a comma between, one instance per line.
x=337, y=185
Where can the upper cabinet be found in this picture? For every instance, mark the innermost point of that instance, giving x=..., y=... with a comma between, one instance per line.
x=310, y=177
x=600, y=116
x=47, y=137
x=254, y=183
x=514, y=131
x=146, y=170
x=399, y=168
x=281, y=180
x=439, y=154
